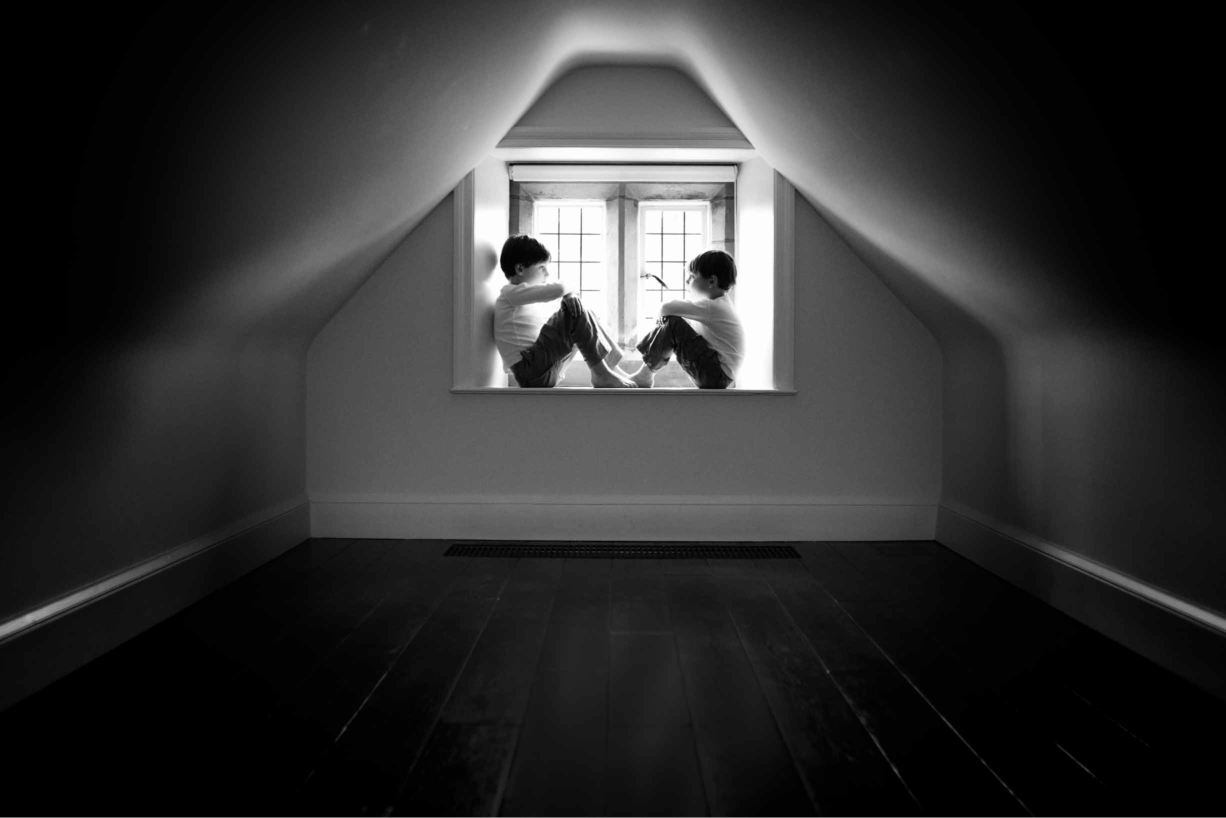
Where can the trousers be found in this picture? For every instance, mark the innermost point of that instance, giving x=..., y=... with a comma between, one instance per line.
x=572, y=327
x=673, y=335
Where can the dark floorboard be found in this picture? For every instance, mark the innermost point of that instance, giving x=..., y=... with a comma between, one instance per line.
x=842, y=768
x=376, y=677
x=747, y=769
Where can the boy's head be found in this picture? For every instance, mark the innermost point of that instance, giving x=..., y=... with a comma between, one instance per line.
x=520, y=254
x=712, y=272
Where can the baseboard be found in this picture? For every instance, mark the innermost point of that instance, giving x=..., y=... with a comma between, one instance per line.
x=55, y=639
x=718, y=519
x=1179, y=635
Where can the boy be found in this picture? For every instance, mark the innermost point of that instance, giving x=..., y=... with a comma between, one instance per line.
x=711, y=354
x=536, y=341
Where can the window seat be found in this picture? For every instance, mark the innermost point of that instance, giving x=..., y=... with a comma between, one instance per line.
x=591, y=390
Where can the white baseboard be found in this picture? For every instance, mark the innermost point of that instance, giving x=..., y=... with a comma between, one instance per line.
x=51, y=641
x=1185, y=638
x=719, y=519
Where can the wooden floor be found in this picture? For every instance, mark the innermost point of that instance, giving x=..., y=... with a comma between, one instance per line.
x=372, y=677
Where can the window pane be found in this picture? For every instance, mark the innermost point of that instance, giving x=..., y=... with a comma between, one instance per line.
x=651, y=219
x=674, y=275
x=673, y=222
x=694, y=221
x=693, y=246
x=593, y=248
x=546, y=219
x=568, y=273
x=593, y=219
x=593, y=277
x=568, y=219
x=568, y=248
x=674, y=248
x=651, y=248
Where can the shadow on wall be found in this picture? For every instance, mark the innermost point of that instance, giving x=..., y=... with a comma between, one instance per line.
x=975, y=414
x=121, y=454
x=487, y=259
x=1103, y=439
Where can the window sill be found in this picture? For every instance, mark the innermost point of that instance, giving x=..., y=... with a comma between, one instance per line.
x=591, y=390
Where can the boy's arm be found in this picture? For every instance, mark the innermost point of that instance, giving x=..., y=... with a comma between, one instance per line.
x=535, y=293
x=698, y=310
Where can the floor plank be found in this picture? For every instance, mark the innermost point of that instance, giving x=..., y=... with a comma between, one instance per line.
x=559, y=762
x=653, y=769
x=461, y=771
x=992, y=631
x=843, y=769
x=645, y=686
x=935, y=764
x=637, y=597
x=463, y=767
x=746, y=766
x=366, y=766
x=309, y=717
x=497, y=678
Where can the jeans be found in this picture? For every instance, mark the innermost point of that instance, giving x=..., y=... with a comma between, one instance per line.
x=571, y=327
x=674, y=335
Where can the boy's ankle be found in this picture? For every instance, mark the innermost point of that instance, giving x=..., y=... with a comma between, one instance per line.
x=643, y=376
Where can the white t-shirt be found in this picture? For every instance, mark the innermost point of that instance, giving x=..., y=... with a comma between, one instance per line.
x=718, y=323
x=519, y=313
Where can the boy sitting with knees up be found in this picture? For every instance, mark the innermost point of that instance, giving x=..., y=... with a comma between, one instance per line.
x=711, y=353
x=536, y=339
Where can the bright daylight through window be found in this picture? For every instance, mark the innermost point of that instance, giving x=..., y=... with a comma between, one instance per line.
x=625, y=248
x=622, y=237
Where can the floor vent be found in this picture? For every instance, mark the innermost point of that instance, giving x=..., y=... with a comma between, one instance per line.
x=623, y=551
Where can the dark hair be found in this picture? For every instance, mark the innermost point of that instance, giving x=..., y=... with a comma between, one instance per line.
x=715, y=263
x=523, y=250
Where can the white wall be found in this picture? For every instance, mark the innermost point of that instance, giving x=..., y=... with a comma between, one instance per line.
x=624, y=104
x=865, y=426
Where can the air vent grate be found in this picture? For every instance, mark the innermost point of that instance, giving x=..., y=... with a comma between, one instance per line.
x=623, y=551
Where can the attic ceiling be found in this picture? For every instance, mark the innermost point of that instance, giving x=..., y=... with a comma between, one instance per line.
x=243, y=172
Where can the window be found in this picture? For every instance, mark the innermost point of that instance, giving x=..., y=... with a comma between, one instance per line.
x=670, y=234
x=623, y=236
x=573, y=231
x=626, y=246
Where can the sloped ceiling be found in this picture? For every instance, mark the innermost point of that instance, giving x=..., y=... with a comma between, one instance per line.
x=243, y=172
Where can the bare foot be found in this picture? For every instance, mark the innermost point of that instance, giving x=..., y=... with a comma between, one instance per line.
x=605, y=378
x=643, y=377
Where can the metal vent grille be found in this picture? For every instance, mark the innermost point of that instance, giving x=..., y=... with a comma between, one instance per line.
x=623, y=551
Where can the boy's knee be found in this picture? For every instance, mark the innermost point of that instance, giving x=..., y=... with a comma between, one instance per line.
x=572, y=303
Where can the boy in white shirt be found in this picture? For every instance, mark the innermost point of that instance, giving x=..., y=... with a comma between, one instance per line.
x=710, y=354
x=537, y=339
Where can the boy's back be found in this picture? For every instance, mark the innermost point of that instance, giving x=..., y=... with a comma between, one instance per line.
x=519, y=313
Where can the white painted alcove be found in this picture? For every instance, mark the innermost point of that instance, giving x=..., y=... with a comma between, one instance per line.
x=763, y=296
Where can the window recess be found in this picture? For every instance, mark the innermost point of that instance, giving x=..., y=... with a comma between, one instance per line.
x=623, y=235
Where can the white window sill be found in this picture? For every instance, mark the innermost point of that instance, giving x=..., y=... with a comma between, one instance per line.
x=591, y=390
